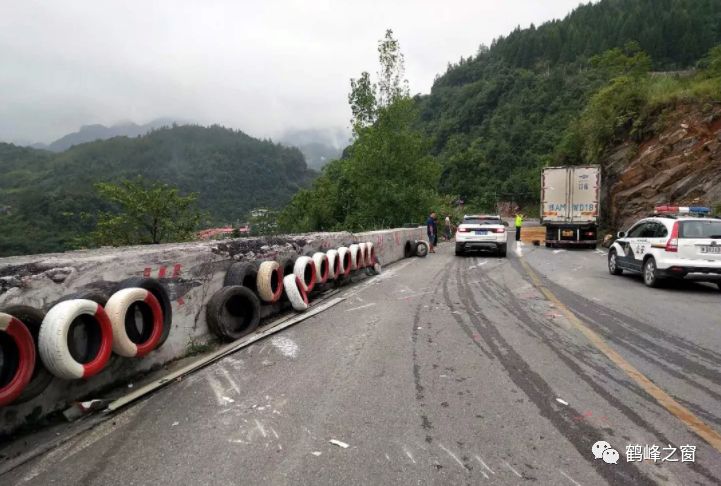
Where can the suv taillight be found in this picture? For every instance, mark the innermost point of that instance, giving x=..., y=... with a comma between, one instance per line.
x=672, y=243
x=463, y=230
x=500, y=230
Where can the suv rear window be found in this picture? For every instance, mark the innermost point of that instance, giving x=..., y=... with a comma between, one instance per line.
x=482, y=221
x=700, y=229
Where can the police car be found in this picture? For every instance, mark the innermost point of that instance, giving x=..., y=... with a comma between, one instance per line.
x=481, y=232
x=676, y=242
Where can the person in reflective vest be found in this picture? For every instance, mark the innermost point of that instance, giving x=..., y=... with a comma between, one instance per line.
x=519, y=223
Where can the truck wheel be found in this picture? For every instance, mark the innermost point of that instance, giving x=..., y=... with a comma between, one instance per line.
x=649, y=273
x=502, y=251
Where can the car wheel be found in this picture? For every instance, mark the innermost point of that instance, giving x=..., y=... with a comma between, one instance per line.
x=613, y=267
x=459, y=250
x=502, y=251
x=649, y=273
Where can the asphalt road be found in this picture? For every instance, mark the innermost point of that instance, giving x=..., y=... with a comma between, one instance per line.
x=443, y=370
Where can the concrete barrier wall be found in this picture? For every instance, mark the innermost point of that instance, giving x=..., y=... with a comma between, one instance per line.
x=190, y=272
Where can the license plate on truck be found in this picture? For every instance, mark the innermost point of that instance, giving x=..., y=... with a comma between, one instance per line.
x=567, y=233
x=711, y=249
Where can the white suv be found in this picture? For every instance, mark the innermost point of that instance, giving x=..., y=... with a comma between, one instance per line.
x=669, y=246
x=481, y=232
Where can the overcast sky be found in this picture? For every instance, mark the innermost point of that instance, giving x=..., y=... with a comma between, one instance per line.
x=263, y=66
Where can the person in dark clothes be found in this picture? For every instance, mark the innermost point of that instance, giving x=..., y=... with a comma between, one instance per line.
x=432, y=229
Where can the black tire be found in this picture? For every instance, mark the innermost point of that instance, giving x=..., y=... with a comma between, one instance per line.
x=242, y=273
x=420, y=249
x=613, y=267
x=160, y=293
x=408, y=249
x=649, y=273
x=502, y=251
x=459, y=250
x=41, y=378
x=233, y=312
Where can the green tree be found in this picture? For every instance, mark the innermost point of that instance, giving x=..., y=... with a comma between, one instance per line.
x=145, y=213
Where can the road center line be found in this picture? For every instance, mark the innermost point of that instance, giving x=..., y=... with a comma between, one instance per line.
x=691, y=421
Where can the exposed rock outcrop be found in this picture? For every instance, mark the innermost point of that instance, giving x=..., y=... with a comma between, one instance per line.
x=680, y=165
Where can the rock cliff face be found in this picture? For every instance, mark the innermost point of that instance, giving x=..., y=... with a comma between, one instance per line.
x=680, y=164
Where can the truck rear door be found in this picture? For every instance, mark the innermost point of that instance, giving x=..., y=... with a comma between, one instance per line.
x=555, y=195
x=584, y=191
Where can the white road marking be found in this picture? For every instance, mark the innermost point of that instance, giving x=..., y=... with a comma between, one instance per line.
x=478, y=458
x=230, y=379
x=455, y=457
x=285, y=345
x=338, y=443
x=361, y=307
x=408, y=453
x=569, y=478
x=512, y=470
x=260, y=428
x=217, y=390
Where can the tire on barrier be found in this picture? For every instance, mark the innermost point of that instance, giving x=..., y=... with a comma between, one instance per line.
x=334, y=265
x=345, y=261
x=356, y=259
x=322, y=267
x=160, y=293
x=408, y=249
x=41, y=377
x=362, y=257
x=242, y=273
x=420, y=248
x=294, y=290
x=370, y=254
x=233, y=312
x=304, y=269
x=270, y=281
x=375, y=269
x=123, y=309
x=18, y=352
x=58, y=338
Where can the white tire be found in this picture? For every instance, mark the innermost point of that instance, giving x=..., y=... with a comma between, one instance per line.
x=334, y=266
x=346, y=265
x=322, y=267
x=270, y=281
x=297, y=297
x=117, y=309
x=356, y=259
x=362, y=256
x=370, y=254
x=304, y=269
x=53, y=339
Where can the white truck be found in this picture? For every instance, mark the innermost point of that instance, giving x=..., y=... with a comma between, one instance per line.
x=570, y=205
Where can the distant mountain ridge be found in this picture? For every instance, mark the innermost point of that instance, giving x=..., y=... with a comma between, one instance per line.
x=92, y=133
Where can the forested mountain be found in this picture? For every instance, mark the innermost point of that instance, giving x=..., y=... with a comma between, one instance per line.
x=49, y=199
x=495, y=118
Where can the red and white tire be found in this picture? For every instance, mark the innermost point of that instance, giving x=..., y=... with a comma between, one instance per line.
x=296, y=295
x=24, y=359
x=334, y=265
x=53, y=339
x=362, y=255
x=346, y=265
x=117, y=310
x=270, y=281
x=356, y=259
x=304, y=269
x=322, y=267
x=370, y=254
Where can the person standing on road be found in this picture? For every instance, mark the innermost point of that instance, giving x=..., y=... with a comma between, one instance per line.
x=448, y=230
x=432, y=229
x=519, y=223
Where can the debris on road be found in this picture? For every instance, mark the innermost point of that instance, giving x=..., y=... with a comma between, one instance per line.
x=316, y=453
x=556, y=252
x=78, y=409
x=338, y=443
x=561, y=401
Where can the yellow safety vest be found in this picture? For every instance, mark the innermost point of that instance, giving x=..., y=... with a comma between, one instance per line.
x=519, y=221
